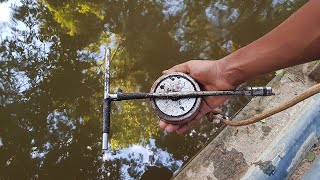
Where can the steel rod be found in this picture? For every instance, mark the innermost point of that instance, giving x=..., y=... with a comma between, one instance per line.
x=251, y=91
x=106, y=103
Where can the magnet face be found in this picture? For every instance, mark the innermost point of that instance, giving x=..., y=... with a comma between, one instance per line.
x=175, y=111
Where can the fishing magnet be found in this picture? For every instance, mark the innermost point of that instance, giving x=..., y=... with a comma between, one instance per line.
x=175, y=110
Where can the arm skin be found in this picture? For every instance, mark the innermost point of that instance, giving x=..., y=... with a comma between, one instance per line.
x=295, y=41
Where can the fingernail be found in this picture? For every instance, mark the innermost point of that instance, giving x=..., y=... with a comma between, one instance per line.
x=169, y=71
x=169, y=130
x=164, y=72
x=162, y=124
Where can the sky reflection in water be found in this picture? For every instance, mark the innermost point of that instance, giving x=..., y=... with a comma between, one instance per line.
x=51, y=80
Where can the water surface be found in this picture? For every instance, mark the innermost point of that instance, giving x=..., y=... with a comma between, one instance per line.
x=51, y=80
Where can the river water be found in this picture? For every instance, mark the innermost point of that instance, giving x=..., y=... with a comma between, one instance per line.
x=51, y=80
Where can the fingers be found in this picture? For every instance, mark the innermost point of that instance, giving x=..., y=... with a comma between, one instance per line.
x=190, y=124
x=184, y=67
x=172, y=128
x=168, y=127
x=162, y=124
x=204, y=108
x=187, y=126
x=179, y=129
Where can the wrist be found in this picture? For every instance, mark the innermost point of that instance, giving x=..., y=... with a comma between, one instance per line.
x=231, y=71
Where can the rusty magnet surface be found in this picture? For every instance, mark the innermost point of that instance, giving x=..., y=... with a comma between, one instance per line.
x=175, y=111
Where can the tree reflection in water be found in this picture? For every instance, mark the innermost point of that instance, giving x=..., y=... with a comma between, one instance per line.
x=51, y=80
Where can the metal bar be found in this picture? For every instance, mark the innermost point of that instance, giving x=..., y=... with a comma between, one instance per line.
x=106, y=123
x=106, y=103
x=107, y=74
x=251, y=91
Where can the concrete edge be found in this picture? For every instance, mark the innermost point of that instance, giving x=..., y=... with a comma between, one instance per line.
x=284, y=154
x=313, y=173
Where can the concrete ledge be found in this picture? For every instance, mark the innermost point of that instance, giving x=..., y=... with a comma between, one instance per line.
x=313, y=173
x=283, y=155
x=265, y=150
x=315, y=74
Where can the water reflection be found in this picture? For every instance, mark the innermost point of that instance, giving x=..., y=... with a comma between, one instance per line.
x=51, y=80
x=138, y=157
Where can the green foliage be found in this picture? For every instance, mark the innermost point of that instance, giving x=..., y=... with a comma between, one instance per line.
x=311, y=156
x=281, y=71
x=71, y=15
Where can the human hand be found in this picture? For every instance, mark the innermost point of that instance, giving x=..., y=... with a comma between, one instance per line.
x=209, y=75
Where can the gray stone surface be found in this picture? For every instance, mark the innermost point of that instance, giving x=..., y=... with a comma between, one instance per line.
x=315, y=74
x=235, y=149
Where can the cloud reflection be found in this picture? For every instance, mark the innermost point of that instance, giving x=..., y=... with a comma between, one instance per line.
x=145, y=156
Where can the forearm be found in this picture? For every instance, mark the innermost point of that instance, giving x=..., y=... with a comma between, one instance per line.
x=295, y=41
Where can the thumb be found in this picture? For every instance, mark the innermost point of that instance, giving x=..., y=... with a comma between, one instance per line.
x=184, y=68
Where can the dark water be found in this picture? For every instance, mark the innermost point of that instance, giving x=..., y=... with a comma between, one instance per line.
x=51, y=80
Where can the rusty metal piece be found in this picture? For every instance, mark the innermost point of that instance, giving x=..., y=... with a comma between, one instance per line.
x=175, y=110
x=215, y=117
x=210, y=115
x=249, y=91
